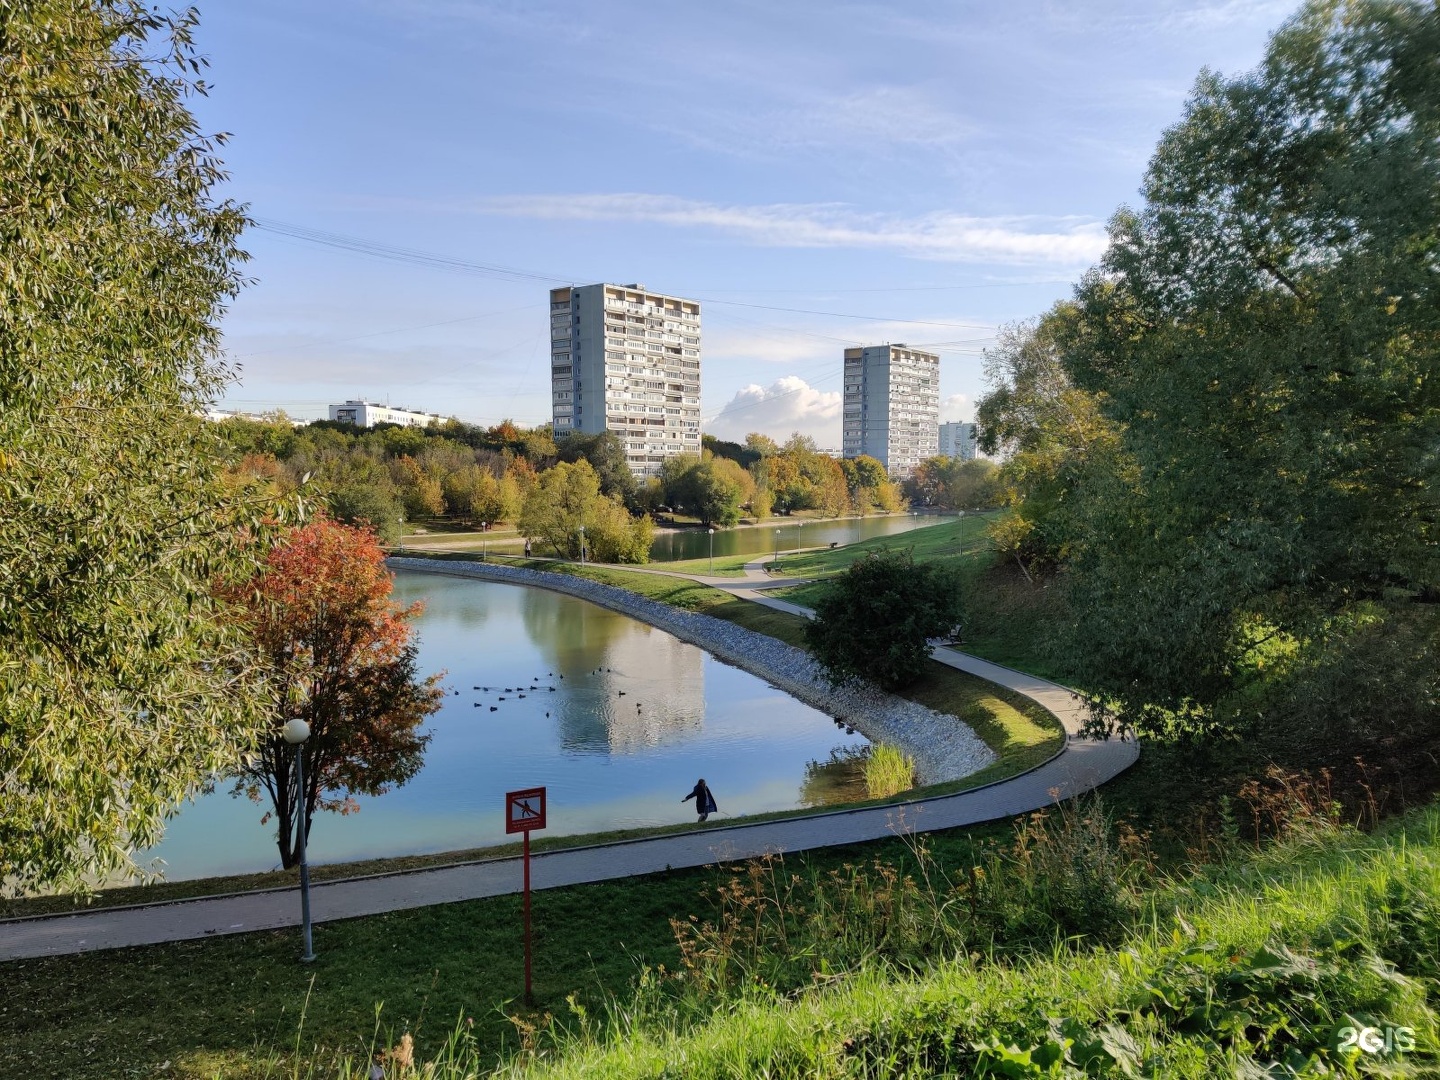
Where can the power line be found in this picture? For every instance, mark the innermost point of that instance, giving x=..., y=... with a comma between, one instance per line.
x=411, y=256
x=415, y=257
x=382, y=333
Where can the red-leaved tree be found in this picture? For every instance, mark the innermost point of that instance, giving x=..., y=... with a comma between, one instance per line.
x=342, y=657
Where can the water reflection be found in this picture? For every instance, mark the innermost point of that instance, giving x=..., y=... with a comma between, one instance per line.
x=840, y=778
x=616, y=718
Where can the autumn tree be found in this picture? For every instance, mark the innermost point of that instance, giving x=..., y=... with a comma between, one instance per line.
x=419, y=489
x=341, y=656
x=122, y=686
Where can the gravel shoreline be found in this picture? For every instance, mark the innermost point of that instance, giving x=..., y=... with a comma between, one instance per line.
x=943, y=747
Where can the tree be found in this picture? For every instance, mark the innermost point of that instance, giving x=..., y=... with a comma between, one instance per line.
x=715, y=497
x=419, y=490
x=122, y=687
x=1054, y=433
x=973, y=484
x=340, y=656
x=875, y=621
x=368, y=505
x=606, y=454
x=761, y=445
x=567, y=498
x=1264, y=332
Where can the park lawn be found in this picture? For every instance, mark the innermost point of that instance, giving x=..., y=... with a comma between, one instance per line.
x=928, y=543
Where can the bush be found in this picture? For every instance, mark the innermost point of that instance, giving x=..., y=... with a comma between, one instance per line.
x=875, y=621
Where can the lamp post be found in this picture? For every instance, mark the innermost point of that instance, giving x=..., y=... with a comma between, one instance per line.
x=712, y=552
x=777, y=549
x=582, y=545
x=483, y=545
x=296, y=732
x=962, y=533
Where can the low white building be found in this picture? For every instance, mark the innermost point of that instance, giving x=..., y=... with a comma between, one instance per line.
x=368, y=414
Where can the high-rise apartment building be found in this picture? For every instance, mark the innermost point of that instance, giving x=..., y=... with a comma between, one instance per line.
x=627, y=360
x=958, y=441
x=892, y=405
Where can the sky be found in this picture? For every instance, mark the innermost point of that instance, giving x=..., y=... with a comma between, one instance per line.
x=817, y=173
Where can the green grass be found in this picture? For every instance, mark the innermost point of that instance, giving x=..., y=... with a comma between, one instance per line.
x=232, y=1006
x=888, y=771
x=1238, y=966
x=222, y=1006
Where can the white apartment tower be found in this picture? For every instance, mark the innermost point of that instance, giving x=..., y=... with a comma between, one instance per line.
x=958, y=440
x=892, y=405
x=627, y=360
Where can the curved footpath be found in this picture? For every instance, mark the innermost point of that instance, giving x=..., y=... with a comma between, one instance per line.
x=1081, y=765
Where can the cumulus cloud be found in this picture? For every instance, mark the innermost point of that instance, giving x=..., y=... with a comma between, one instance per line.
x=956, y=408
x=779, y=410
x=1028, y=240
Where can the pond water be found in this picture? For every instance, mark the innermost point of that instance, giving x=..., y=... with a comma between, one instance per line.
x=762, y=539
x=607, y=764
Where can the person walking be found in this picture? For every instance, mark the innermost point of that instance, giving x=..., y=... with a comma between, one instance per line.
x=704, y=800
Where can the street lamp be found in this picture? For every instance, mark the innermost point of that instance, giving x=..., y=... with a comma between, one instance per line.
x=962, y=533
x=712, y=552
x=777, y=549
x=296, y=732
x=482, y=541
x=582, y=545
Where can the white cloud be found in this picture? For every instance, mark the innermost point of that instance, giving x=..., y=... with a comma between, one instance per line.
x=956, y=407
x=784, y=407
x=1017, y=239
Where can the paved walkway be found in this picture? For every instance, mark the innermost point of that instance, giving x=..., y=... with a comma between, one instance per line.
x=1081, y=765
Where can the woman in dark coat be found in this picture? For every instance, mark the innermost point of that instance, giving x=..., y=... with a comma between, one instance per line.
x=704, y=801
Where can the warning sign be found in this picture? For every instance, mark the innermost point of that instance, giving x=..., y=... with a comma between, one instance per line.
x=525, y=810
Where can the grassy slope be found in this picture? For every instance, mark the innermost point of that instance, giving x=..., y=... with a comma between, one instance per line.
x=1335, y=900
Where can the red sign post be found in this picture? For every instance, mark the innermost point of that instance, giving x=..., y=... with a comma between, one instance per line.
x=525, y=810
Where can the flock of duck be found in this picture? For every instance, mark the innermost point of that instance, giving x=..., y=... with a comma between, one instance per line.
x=536, y=686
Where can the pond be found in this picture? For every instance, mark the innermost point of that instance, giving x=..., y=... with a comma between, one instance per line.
x=635, y=717
x=762, y=539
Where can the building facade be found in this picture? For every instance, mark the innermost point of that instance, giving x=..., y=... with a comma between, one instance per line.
x=368, y=414
x=627, y=360
x=892, y=406
x=958, y=441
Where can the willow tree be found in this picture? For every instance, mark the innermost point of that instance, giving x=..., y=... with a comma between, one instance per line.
x=121, y=686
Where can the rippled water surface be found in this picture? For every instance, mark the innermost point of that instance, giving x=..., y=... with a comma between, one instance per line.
x=635, y=718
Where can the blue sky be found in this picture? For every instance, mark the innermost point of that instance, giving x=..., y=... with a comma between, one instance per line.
x=818, y=173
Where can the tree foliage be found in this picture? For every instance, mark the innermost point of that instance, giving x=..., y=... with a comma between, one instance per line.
x=1264, y=333
x=875, y=621
x=567, y=504
x=339, y=655
x=121, y=686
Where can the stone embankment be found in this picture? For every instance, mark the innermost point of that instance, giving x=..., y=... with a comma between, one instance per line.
x=943, y=747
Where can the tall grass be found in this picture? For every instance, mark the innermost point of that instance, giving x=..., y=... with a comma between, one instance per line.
x=1062, y=952
x=888, y=771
